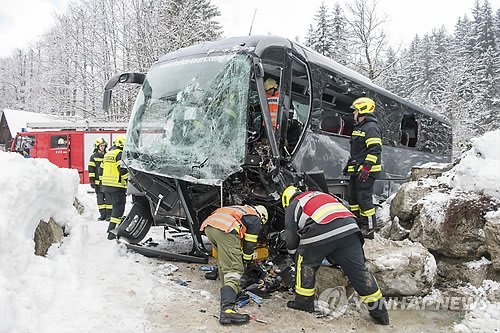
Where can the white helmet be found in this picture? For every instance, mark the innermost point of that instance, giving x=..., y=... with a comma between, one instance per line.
x=262, y=212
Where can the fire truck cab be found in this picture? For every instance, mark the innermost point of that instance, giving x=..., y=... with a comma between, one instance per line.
x=67, y=147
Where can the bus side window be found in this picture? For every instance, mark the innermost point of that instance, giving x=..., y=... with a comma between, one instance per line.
x=409, y=131
x=300, y=105
x=348, y=124
x=332, y=124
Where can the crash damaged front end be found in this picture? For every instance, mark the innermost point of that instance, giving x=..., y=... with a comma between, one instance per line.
x=197, y=140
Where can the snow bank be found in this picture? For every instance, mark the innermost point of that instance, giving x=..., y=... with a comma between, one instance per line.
x=32, y=189
x=85, y=284
x=478, y=167
x=485, y=317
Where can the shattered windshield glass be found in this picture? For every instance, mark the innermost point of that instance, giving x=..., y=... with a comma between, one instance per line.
x=189, y=119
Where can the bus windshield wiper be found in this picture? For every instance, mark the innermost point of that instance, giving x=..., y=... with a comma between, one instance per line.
x=199, y=166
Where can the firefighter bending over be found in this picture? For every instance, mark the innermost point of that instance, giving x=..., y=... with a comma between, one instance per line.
x=364, y=165
x=114, y=182
x=226, y=228
x=318, y=226
x=95, y=178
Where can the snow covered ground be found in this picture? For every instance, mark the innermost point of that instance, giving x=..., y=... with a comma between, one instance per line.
x=90, y=284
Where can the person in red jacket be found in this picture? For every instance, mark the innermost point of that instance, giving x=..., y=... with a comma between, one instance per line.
x=272, y=96
x=318, y=226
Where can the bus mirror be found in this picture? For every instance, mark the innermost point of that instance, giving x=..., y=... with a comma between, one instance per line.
x=137, y=78
x=132, y=78
x=124, y=78
x=106, y=101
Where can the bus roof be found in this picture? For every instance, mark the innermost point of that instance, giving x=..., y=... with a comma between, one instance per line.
x=257, y=44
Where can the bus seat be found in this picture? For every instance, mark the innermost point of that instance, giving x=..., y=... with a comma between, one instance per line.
x=332, y=124
x=405, y=138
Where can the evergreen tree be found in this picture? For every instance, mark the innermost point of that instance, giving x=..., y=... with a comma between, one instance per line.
x=340, y=51
x=321, y=39
x=309, y=40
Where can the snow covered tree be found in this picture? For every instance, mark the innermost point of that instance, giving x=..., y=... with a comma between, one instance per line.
x=66, y=71
x=340, y=51
x=321, y=37
x=368, y=36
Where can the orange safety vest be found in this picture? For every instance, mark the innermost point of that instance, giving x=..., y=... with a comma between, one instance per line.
x=228, y=219
x=272, y=102
x=320, y=207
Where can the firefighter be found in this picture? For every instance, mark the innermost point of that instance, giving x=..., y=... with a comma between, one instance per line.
x=114, y=177
x=95, y=161
x=364, y=165
x=272, y=96
x=318, y=226
x=228, y=228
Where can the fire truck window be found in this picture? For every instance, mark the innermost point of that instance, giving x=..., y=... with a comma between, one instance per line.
x=58, y=141
x=24, y=142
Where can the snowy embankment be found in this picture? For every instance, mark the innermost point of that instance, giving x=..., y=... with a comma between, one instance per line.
x=478, y=168
x=69, y=289
x=477, y=171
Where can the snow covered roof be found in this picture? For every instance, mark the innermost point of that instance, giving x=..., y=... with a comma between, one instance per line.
x=17, y=120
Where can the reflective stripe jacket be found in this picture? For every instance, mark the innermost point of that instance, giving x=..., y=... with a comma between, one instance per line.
x=113, y=173
x=314, y=218
x=243, y=221
x=94, y=167
x=272, y=102
x=366, y=146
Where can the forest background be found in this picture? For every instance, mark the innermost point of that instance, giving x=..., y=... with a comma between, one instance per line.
x=456, y=74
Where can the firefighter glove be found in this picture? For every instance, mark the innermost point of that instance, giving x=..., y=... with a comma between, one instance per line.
x=364, y=173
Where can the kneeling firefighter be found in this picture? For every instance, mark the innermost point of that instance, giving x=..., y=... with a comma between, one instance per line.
x=227, y=228
x=114, y=177
x=318, y=226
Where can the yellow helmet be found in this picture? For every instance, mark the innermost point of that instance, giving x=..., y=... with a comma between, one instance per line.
x=288, y=194
x=270, y=84
x=119, y=141
x=363, y=105
x=262, y=212
x=100, y=141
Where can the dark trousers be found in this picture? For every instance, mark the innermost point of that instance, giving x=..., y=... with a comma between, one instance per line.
x=348, y=253
x=117, y=199
x=360, y=197
x=103, y=204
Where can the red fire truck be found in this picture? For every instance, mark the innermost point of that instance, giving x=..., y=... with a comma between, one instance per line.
x=66, y=145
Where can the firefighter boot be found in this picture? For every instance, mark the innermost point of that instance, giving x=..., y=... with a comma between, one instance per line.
x=213, y=274
x=111, y=226
x=108, y=214
x=227, y=313
x=102, y=212
x=378, y=311
x=367, y=225
x=302, y=303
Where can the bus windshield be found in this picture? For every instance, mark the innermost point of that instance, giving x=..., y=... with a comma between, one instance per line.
x=189, y=119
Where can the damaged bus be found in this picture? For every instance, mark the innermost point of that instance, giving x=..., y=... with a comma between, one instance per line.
x=201, y=135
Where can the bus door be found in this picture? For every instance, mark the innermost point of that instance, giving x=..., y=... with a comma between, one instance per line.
x=59, y=150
